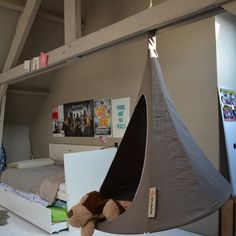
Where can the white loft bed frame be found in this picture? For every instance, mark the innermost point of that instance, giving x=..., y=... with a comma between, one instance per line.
x=85, y=169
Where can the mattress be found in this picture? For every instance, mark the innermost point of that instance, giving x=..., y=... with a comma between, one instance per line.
x=29, y=180
x=43, y=181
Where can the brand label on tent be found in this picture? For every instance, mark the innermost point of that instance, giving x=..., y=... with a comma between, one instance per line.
x=152, y=202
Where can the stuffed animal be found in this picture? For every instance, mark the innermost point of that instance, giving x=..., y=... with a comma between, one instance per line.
x=93, y=208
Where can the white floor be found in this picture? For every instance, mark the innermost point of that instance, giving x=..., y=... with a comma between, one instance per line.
x=19, y=227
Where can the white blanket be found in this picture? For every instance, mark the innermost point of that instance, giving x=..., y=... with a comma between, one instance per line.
x=31, y=163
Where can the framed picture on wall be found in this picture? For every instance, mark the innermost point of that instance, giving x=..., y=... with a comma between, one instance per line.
x=120, y=116
x=58, y=121
x=228, y=104
x=79, y=119
x=227, y=98
x=102, y=117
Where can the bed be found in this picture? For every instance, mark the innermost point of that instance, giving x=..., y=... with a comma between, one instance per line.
x=84, y=169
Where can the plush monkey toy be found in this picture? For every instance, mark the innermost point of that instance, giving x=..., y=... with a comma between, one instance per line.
x=93, y=208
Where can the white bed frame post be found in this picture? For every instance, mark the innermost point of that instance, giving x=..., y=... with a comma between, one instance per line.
x=23, y=27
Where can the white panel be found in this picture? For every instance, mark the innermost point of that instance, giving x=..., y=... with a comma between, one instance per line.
x=225, y=25
x=86, y=171
x=230, y=138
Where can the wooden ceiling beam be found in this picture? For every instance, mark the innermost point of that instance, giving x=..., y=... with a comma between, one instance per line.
x=26, y=92
x=22, y=31
x=163, y=15
x=72, y=20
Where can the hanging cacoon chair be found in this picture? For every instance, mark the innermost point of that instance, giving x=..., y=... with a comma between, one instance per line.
x=158, y=153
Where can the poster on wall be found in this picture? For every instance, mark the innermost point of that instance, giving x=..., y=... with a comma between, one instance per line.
x=79, y=119
x=120, y=116
x=102, y=117
x=228, y=104
x=227, y=98
x=58, y=121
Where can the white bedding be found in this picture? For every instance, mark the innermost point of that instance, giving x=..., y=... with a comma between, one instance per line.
x=62, y=194
x=43, y=181
x=62, y=187
x=29, y=196
x=31, y=163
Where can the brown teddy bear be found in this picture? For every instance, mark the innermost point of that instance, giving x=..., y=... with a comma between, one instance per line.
x=93, y=208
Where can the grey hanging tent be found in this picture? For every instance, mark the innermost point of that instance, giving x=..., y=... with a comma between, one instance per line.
x=158, y=151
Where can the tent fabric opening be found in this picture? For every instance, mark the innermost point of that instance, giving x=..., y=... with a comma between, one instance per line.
x=125, y=172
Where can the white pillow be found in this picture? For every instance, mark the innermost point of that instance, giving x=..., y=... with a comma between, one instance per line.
x=31, y=163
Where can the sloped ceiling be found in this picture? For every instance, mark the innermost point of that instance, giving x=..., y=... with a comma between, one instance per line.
x=41, y=37
x=21, y=105
x=8, y=21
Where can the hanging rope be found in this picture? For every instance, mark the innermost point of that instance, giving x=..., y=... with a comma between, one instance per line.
x=152, y=43
x=150, y=3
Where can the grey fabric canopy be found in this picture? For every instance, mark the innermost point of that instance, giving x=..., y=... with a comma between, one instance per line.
x=158, y=151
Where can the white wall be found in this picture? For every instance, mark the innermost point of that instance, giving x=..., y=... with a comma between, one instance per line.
x=115, y=73
x=226, y=50
x=226, y=75
x=16, y=141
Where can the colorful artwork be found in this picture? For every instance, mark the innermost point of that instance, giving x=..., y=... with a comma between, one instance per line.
x=120, y=116
x=228, y=104
x=58, y=121
x=102, y=111
x=79, y=119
